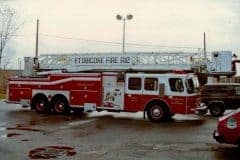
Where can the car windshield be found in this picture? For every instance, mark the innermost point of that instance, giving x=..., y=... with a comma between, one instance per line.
x=192, y=85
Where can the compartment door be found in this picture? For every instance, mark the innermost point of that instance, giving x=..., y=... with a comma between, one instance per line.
x=134, y=93
x=113, y=93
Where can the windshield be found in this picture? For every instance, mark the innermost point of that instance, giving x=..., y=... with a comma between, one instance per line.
x=192, y=85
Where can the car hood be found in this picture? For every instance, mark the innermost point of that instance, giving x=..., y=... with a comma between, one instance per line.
x=229, y=115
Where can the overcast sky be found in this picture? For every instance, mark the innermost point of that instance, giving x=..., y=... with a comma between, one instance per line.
x=73, y=25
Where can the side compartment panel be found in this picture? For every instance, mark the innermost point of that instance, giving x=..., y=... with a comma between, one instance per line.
x=76, y=98
x=16, y=94
x=92, y=97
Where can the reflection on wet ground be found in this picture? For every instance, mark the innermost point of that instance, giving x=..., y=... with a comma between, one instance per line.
x=31, y=118
x=13, y=134
x=9, y=135
x=228, y=152
x=18, y=127
x=107, y=135
x=34, y=118
x=24, y=129
x=49, y=152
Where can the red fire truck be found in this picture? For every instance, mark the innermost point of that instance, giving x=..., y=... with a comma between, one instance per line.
x=119, y=83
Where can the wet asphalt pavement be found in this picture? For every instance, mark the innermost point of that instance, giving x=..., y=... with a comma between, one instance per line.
x=24, y=134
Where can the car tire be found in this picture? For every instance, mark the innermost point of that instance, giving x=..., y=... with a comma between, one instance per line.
x=216, y=109
x=238, y=143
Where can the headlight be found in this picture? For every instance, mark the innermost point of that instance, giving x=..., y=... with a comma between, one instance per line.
x=231, y=123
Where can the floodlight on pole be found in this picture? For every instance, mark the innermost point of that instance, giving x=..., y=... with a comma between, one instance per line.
x=128, y=17
x=119, y=17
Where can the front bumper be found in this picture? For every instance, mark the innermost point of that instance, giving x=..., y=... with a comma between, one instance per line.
x=201, y=109
x=219, y=138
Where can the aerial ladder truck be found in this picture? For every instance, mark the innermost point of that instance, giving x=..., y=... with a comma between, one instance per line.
x=157, y=84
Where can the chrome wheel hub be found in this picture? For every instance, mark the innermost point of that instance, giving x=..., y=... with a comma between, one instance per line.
x=156, y=112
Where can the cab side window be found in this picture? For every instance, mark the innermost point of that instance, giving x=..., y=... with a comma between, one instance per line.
x=176, y=84
x=134, y=83
x=151, y=84
x=237, y=90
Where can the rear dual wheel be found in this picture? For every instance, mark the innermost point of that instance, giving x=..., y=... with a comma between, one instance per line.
x=41, y=104
x=60, y=106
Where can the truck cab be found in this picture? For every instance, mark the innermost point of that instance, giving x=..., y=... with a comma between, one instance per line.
x=168, y=94
x=220, y=96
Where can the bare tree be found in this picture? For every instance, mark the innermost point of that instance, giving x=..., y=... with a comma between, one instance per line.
x=8, y=26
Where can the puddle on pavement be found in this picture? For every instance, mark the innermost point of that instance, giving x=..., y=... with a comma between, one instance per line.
x=23, y=127
x=51, y=152
x=13, y=134
x=9, y=135
x=19, y=127
x=227, y=152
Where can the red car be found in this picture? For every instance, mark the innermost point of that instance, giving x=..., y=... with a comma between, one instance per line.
x=228, y=129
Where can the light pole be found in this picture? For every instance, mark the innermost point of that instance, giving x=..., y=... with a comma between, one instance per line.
x=128, y=17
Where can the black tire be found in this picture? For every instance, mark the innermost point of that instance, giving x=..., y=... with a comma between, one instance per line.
x=77, y=111
x=157, y=113
x=238, y=144
x=216, y=109
x=60, y=105
x=40, y=104
x=171, y=115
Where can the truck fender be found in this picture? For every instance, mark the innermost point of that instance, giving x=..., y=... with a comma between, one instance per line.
x=159, y=101
x=211, y=102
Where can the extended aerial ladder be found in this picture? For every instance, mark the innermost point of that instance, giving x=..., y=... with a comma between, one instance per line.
x=218, y=62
